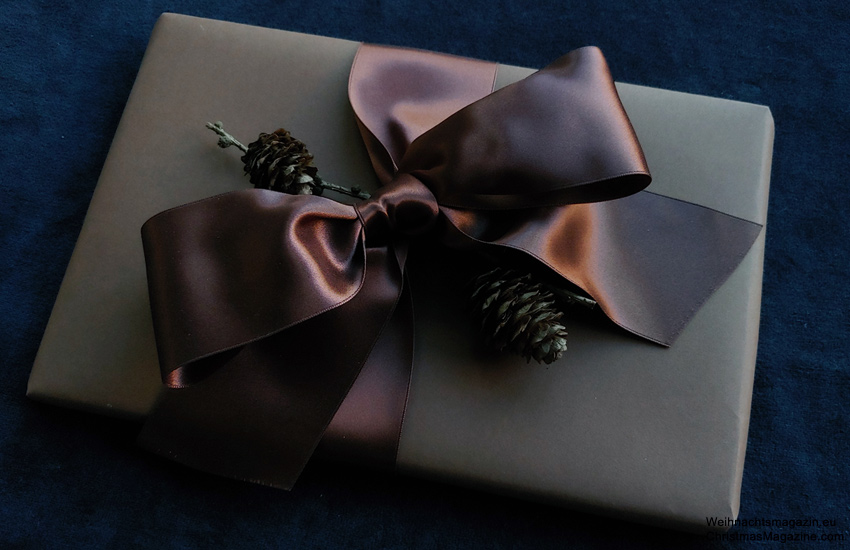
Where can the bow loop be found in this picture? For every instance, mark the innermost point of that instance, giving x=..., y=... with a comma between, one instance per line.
x=232, y=269
x=560, y=136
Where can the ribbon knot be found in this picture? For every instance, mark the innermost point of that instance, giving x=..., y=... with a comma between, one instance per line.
x=403, y=207
x=267, y=307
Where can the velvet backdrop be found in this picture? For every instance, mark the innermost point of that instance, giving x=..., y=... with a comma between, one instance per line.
x=75, y=480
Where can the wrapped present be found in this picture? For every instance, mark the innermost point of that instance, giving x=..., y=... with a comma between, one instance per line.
x=284, y=320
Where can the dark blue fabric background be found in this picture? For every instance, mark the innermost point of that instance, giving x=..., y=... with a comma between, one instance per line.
x=74, y=480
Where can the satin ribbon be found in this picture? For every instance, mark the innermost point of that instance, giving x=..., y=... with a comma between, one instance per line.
x=267, y=306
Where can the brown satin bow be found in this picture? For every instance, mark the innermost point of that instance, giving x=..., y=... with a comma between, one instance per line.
x=267, y=306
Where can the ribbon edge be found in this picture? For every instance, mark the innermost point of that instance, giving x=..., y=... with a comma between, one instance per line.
x=639, y=187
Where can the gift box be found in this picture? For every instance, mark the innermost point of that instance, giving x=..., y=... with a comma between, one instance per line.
x=618, y=426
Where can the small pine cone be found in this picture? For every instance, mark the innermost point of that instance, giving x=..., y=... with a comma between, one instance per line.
x=518, y=314
x=282, y=163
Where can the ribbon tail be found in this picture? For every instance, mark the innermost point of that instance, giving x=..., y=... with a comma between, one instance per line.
x=367, y=427
x=650, y=261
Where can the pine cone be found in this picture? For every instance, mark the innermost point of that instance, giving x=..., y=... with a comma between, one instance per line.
x=518, y=314
x=282, y=163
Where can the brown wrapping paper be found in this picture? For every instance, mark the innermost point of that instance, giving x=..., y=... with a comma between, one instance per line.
x=617, y=426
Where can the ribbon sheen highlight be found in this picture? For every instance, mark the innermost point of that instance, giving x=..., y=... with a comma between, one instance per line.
x=548, y=167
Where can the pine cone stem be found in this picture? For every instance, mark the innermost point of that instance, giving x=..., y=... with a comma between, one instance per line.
x=350, y=191
x=225, y=140
x=571, y=297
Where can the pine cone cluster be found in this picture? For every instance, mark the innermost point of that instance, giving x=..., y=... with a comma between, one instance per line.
x=279, y=162
x=518, y=314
